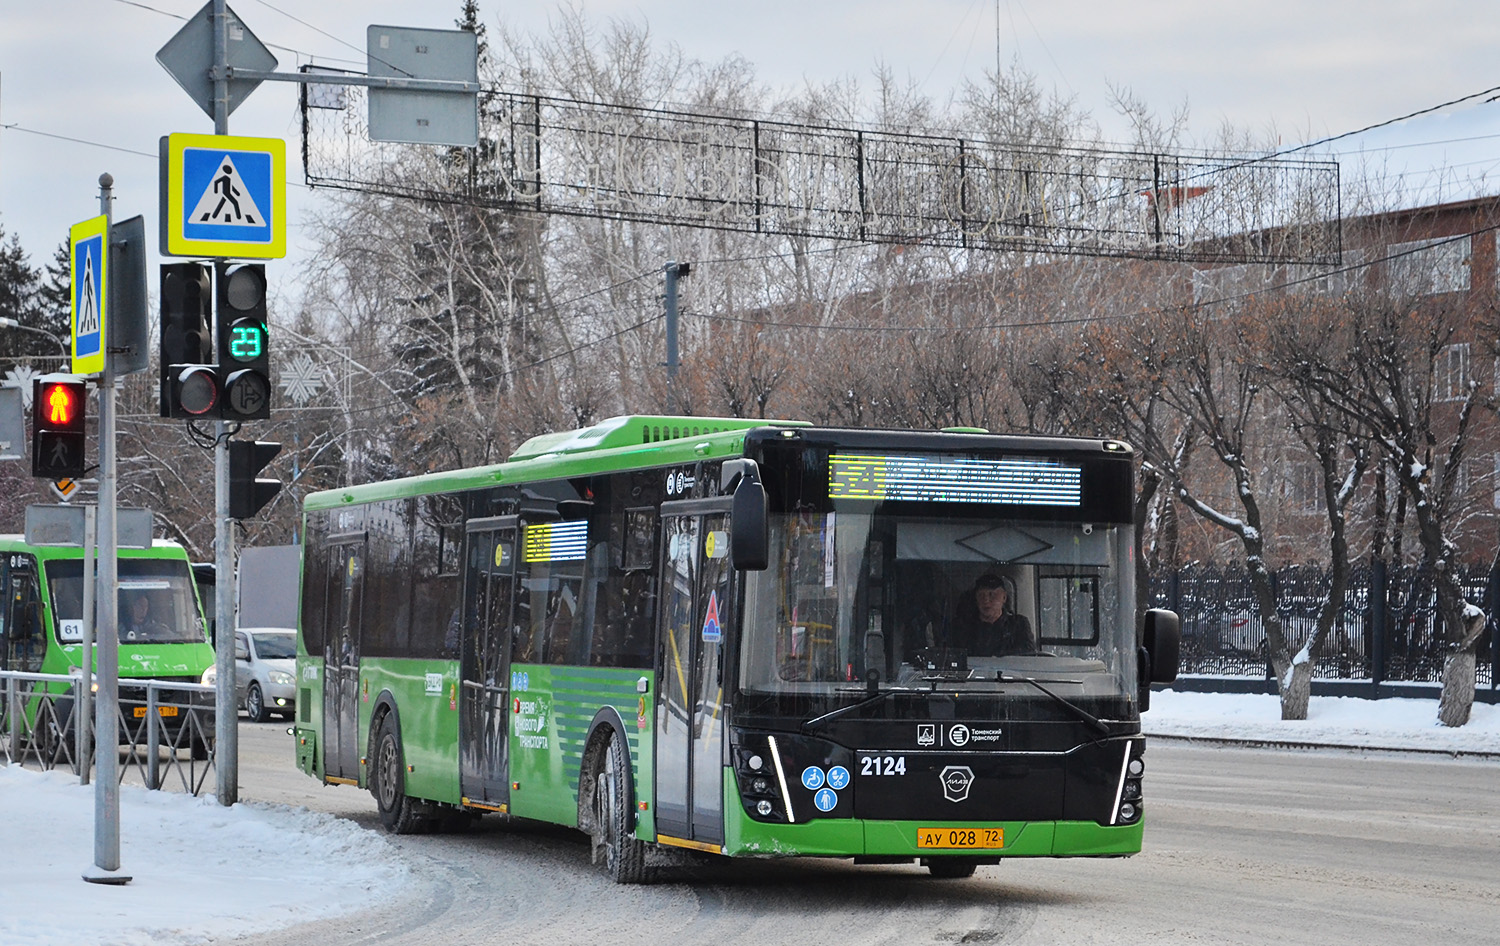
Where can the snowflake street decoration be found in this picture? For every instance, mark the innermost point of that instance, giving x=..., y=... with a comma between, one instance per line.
x=21, y=376
x=301, y=379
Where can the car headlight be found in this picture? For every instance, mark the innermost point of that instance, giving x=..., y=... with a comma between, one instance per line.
x=210, y=677
x=282, y=678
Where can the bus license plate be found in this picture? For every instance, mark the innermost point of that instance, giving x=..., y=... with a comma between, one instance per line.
x=140, y=711
x=962, y=839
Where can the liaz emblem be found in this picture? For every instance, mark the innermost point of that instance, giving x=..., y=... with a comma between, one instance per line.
x=957, y=779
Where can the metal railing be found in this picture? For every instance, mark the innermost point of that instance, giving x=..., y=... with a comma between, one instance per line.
x=1386, y=631
x=165, y=729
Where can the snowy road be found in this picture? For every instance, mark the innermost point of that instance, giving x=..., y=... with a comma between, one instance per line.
x=1242, y=846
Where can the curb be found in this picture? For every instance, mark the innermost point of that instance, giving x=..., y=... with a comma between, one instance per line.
x=1249, y=743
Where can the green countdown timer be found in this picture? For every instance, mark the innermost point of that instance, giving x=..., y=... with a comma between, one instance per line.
x=247, y=340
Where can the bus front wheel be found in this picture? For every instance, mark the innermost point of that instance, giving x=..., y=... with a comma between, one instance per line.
x=388, y=780
x=624, y=855
x=951, y=868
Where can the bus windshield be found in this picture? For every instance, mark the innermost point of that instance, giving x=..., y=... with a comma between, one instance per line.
x=157, y=602
x=855, y=597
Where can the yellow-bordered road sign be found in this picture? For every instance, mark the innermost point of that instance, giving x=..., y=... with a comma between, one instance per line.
x=64, y=488
x=223, y=196
x=88, y=252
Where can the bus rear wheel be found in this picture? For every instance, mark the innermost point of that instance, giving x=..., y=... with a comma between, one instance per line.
x=624, y=855
x=388, y=780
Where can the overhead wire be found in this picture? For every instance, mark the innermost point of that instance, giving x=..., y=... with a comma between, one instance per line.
x=294, y=51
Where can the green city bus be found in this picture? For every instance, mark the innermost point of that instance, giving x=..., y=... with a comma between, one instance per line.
x=737, y=636
x=161, y=632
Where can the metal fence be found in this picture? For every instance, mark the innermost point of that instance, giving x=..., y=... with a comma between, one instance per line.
x=1385, y=630
x=165, y=729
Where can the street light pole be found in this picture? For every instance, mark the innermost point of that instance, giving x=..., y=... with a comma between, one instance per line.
x=7, y=322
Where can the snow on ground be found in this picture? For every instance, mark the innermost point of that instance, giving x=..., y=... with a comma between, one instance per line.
x=1331, y=720
x=201, y=871
x=198, y=869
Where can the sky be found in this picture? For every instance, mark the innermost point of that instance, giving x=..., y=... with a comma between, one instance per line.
x=269, y=866
x=85, y=70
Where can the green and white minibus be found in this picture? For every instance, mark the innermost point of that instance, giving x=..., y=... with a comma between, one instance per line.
x=161, y=632
x=739, y=636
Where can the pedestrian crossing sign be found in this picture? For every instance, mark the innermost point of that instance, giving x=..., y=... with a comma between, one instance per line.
x=223, y=196
x=90, y=285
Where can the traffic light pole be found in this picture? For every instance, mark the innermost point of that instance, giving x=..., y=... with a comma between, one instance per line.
x=226, y=713
x=106, y=869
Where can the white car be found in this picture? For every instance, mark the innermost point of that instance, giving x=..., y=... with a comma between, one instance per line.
x=265, y=671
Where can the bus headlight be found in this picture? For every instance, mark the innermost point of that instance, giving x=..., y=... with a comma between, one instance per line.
x=210, y=677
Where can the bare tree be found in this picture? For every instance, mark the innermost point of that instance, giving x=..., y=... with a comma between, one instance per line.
x=1388, y=374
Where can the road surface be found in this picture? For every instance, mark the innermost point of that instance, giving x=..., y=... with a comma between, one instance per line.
x=1249, y=846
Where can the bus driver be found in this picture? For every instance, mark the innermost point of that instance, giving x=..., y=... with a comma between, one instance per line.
x=139, y=622
x=985, y=623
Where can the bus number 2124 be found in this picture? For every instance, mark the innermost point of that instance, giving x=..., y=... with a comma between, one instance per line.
x=882, y=765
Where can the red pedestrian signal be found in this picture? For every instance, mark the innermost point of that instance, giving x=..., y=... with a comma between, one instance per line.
x=60, y=405
x=59, y=409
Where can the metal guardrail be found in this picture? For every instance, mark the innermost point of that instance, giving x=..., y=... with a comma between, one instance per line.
x=165, y=729
x=1387, y=630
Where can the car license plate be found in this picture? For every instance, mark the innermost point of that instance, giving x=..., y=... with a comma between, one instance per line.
x=140, y=711
x=961, y=839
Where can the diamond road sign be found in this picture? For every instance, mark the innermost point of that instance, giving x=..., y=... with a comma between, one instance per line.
x=223, y=196
x=189, y=55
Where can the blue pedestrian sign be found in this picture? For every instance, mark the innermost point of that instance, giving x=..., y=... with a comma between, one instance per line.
x=223, y=196
x=826, y=799
x=89, y=265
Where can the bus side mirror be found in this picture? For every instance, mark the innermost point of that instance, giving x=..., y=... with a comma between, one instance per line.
x=1162, y=640
x=749, y=526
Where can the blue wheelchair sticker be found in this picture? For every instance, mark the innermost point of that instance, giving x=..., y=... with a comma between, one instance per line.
x=812, y=777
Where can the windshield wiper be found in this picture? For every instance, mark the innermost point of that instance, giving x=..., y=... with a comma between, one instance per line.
x=872, y=687
x=1083, y=714
x=867, y=701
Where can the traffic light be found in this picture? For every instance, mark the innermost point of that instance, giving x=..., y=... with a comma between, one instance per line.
x=246, y=493
x=58, y=410
x=189, y=383
x=244, y=348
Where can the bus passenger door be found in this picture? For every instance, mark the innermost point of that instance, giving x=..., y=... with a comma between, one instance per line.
x=696, y=609
x=345, y=591
x=484, y=660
